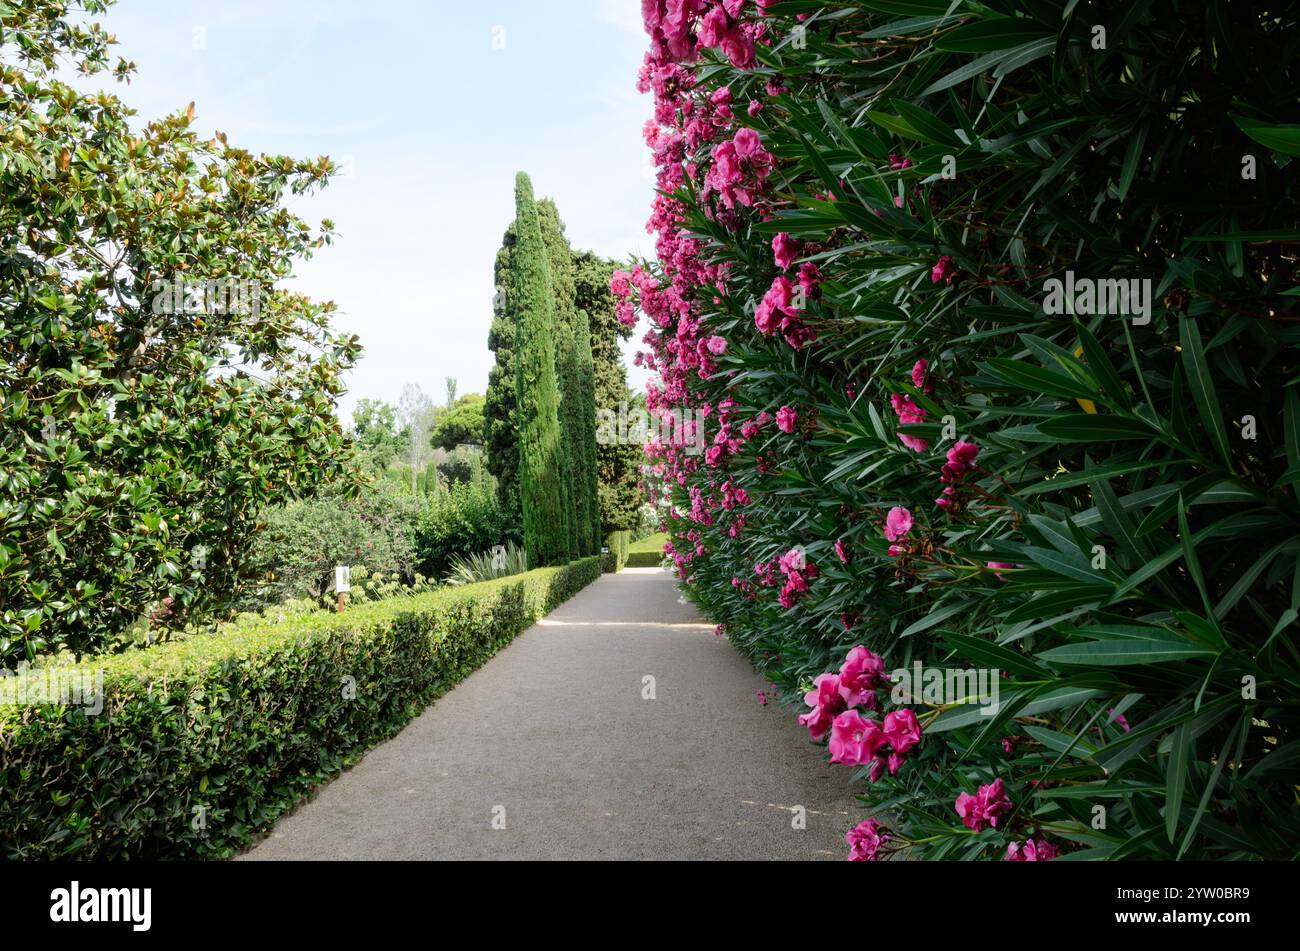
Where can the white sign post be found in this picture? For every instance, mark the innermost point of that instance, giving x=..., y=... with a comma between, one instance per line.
x=342, y=583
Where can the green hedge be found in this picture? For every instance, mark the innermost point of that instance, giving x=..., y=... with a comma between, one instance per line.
x=647, y=553
x=204, y=743
x=617, y=543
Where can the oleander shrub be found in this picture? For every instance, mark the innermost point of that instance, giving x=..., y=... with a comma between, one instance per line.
x=202, y=744
x=924, y=450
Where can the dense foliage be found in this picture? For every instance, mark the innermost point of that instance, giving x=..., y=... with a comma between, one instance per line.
x=923, y=450
x=545, y=500
x=466, y=519
x=202, y=744
x=157, y=389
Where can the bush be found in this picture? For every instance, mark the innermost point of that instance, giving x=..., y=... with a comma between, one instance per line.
x=483, y=566
x=617, y=543
x=296, y=554
x=236, y=728
x=647, y=553
x=919, y=456
x=467, y=518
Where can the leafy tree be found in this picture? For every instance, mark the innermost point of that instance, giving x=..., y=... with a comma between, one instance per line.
x=451, y=384
x=462, y=425
x=376, y=431
x=618, y=465
x=157, y=390
x=584, y=371
x=546, y=529
x=417, y=414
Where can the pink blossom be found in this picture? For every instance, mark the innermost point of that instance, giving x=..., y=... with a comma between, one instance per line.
x=786, y=419
x=999, y=566
x=1031, y=851
x=986, y=808
x=826, y=702
x=841, y=552
x=902, y=730
x=898, y=163
x=716, y=345
x=784, y=249
x=944, y=271
x=762, y=698
x=860, y=675
x=854, y=739
x=865, y=841
x=898, y=523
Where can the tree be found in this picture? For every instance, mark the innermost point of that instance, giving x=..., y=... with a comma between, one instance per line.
x=462, y=425
x=451, y=391
x=157, y=389
x=584, y=368
x=618, y=463
x=500, y=426
x=546, y=531
x=376, y=432
x=416, y=411
x=560, y=261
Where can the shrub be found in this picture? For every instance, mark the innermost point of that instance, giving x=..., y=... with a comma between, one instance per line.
x=484, y=566
x=647, y=553
x=859, y=217
x=617, y=543
x=236, y=728
x=468, y=517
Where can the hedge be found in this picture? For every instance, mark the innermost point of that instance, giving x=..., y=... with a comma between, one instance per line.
x=618, y=543
x=204, y=743
x=647, y=553
x=867, y=216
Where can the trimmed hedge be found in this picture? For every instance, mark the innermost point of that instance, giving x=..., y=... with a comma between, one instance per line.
x=618, y=543
x=647, y=553
x=205, y=743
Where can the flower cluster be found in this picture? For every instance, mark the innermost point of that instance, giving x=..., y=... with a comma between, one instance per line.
x=960, y=464
x=985, y=808
x=798, y=572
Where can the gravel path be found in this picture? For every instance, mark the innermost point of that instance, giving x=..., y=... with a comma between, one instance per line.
x=554, y=737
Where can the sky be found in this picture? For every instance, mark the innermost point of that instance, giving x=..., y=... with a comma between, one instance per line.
x=430, y=108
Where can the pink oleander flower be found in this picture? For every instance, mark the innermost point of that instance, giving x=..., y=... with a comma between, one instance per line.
x=755, y=107
x=865, y=841
x=998, y=567
x=986, y=808
x=963, y=455
x=620, y=283
x=1121, y=720
x=919, y=371
x=860, y=675
x=778, y=299
x=898, y=163
x=909, y=412
x=716, y=345
x=875, y=770
x=748, y=143
x=898, y=523
x=902, y=730
x=841, y=552
x=762, y=698
x=784, y=250
x=944, y=271
x=786, y=419
x=854, y=739
x=1031, y=851
x=826, y=702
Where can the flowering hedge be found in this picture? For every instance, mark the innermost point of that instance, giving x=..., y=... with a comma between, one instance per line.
x=987, y=310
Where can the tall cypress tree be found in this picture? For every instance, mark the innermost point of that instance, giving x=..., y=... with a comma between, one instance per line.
x=546, y=526
x=501, y=428
x=559, y=258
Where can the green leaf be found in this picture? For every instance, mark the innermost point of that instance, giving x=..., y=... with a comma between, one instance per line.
x=1086, y=427
x=985, y=36
x=1176, y=776
x=1279, y=138
x=1202, y=387
x=1123, y=653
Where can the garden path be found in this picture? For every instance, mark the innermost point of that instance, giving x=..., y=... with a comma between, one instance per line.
x=555, y=736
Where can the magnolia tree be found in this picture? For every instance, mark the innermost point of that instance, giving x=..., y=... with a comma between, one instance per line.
x=988, y=307
x=157, y=389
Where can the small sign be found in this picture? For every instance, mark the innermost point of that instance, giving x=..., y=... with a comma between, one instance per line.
x=342, y=579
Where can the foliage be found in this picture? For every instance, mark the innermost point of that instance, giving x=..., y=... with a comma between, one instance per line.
x=239, y=727
x=157, y=390
x=378, y=436
x=647, y=553
x=617, y=542
x=461, y=425
x=853, y=279
x=618, y=465
x=500, y=408
x=559, y=259
x=546, y=527
x=468, y=517
x=587, y=466
x=484, y=566
x=296, y=554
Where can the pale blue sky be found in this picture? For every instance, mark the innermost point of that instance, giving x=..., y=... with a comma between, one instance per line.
x=431, y=122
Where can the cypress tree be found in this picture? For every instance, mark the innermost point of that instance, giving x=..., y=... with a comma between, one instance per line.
x=546, y=528
x=501, y=428
x=559, y=258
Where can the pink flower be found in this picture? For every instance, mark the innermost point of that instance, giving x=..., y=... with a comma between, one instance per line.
x=825, y=701
x=998, y=567
x=717, y=345
x=919, y=372
x=986, y=808
x=841, y=552
x=1031, y=851
x=786, y=419
x=784, y=249
x=898, y=163
x=748, y=143
x=860, y=675
x=865, y=840
x=762, y=698
x=902, y=730
x=1121, y=720
x=944, y=271
x=854, y=739
x=898, y=523
x=908, y=412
